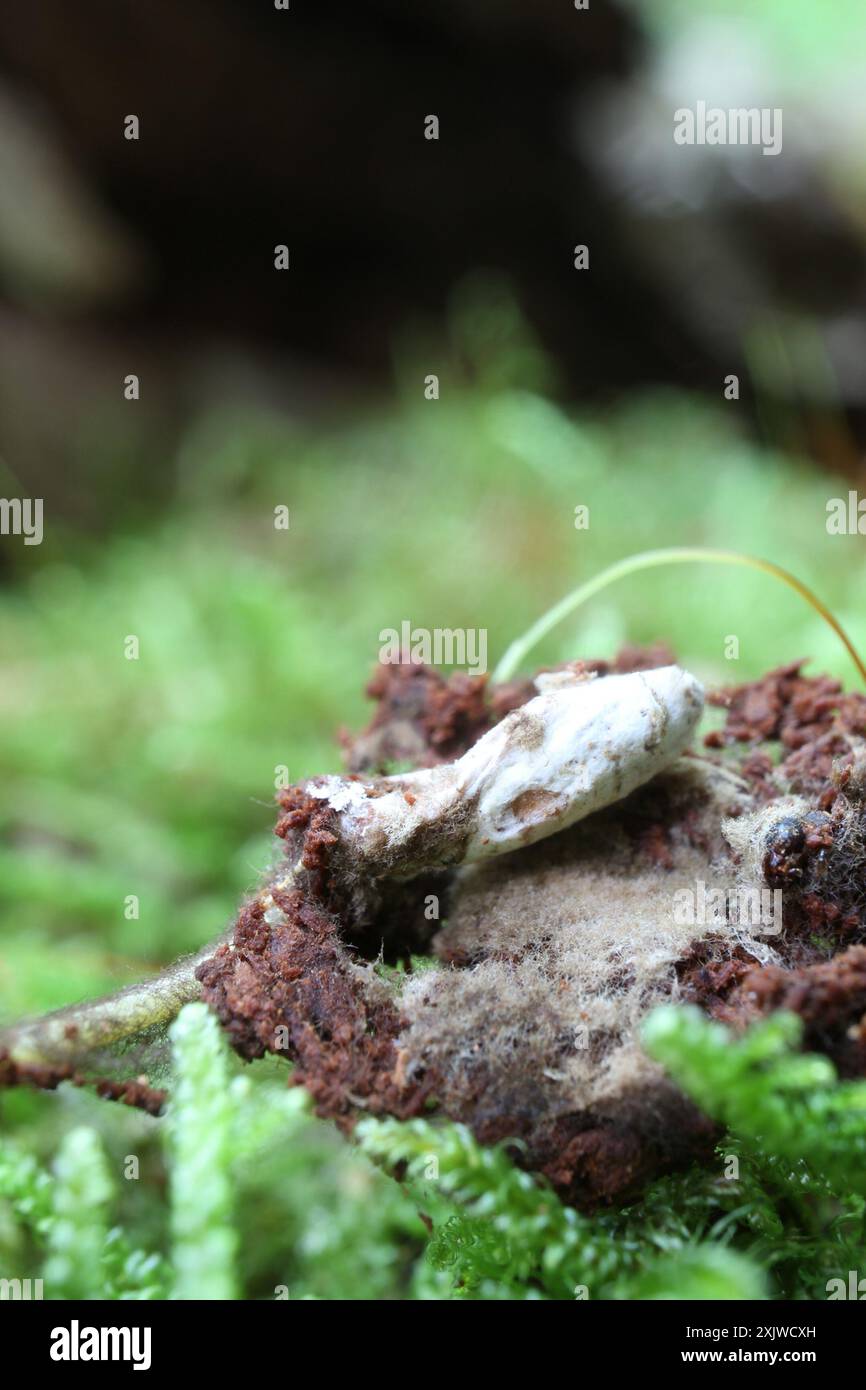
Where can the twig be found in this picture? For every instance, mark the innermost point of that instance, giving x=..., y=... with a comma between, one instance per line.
x=66, y=1035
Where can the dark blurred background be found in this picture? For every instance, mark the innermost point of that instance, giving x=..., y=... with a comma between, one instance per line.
x=261, y=126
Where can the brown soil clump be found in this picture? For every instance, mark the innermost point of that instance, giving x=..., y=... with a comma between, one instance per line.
x=421, y=719
x=292, y=987
x=573, y=936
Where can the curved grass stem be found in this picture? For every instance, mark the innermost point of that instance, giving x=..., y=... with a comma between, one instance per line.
x=651, y=559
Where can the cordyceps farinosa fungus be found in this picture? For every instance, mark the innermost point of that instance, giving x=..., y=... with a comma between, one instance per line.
x=564, y=857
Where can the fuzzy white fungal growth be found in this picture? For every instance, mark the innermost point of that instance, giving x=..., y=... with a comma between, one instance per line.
x=576, y=747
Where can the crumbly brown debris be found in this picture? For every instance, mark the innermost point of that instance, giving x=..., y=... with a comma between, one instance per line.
x=572, y=933
x=136, y=1092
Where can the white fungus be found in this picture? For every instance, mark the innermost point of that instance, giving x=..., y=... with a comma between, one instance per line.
x=575, y=748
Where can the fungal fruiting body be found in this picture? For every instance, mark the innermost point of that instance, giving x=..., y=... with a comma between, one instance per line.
x=575, y=748
x=557, y=925
x=538, y=871
x=547, y=957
